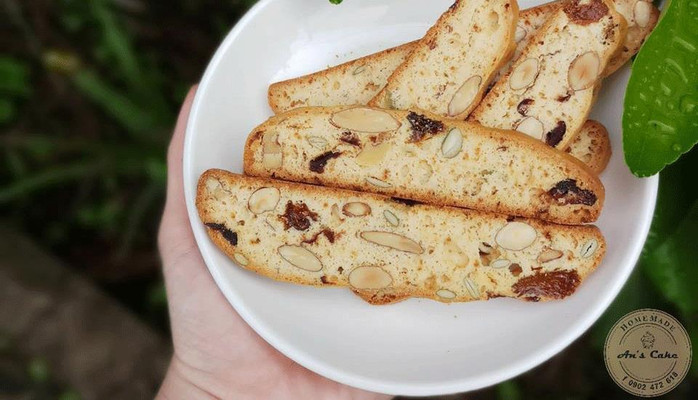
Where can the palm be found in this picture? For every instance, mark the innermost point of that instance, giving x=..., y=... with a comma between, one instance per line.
x=217, y=350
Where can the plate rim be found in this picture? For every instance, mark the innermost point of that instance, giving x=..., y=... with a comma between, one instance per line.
x=336, y=374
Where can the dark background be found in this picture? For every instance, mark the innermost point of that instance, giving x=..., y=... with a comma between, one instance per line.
x=89, y=91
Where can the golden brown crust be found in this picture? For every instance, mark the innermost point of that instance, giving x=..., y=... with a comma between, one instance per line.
x=222, y=202
x=418, y=60
x=592, y=146
x=313, y=121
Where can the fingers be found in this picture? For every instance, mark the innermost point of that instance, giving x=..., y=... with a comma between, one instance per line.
x=175, y=233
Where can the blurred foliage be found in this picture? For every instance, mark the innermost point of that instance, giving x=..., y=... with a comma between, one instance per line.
x=89, y=91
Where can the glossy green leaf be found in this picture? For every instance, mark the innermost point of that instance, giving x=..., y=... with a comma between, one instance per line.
x=660, y=120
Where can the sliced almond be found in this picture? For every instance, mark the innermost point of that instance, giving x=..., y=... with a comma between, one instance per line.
x=364, y=119
x=392, y=240
x=446, y=294
x=240, y=259
x=391, y=218
x=452, y=144
x=531, y=126
x=300, y=257
x=516, y=236
x=372, y=155
x=584, y=71
x=642, y=12
x=589, y=248
x=369, y=278
x=360, y=69
x=464, y=96
x=549, y=254
x=356, y=209
x=263, y=200
x=472, y=288
x=336, y=215
x=485, y=248
x=520, y=33
x=272, y=156
x=317, y=142
x=501, y=263
x=378, y=183
x=524, y=75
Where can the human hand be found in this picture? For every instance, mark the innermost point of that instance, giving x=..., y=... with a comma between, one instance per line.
x=216, y=354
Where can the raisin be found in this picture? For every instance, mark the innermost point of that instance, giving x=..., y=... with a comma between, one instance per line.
x=585, y=14
x=318, y=163
x=423, y=126
x=351, y=138
x=555, y=136
x=551, y=285
x=567, y=192
x=522, y=108
x=228, y=235
x=298, y=216
x=329, y=234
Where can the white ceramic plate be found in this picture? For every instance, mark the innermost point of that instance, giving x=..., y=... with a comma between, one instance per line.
x=417, y=347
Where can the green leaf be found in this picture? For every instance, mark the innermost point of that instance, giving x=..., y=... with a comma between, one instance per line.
x=509, y=390
x=336, y=1
x=660, y=120
x=8, y=111
x=671, y=266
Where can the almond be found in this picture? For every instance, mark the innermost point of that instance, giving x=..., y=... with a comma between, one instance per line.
x=524, y=74
x=392, y=240
x=317, y=142
x=642, y=12
x=300, y=257
x=516, y=236
x=378, y=183
x=364, y=119
x=356, y=209
x=372, y=155
x=263, y=200
x=531, y=126
x=452, y=144
x=336, y=214
x=584, y=71
x=391, y=218
x=589, y=248
x=520, y=33
x=446, y=294
x=369, y=278
x=240, y=259
x=549, y=254
x=472, y=288
x=272, y=156
x=465, y=95
x=501, y=263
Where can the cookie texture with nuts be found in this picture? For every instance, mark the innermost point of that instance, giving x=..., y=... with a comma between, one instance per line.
x=592, y=146
x=425, y=158
x=449, y=70
x=386, y=250
x=557, y=74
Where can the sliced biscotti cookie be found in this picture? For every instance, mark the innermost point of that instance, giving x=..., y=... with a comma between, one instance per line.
x=551, y=87
x=641, y=17
x=387, y=250
x=451, y=67
x=439, y=161
x=592, y=146
x=354, y=82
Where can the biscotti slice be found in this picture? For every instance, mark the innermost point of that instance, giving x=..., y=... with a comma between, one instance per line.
x=549, y=91
x=438, y=161
x=451, y=67
x=641, y=17
x=592, y=146
x=354, y=82
x=387, y=250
